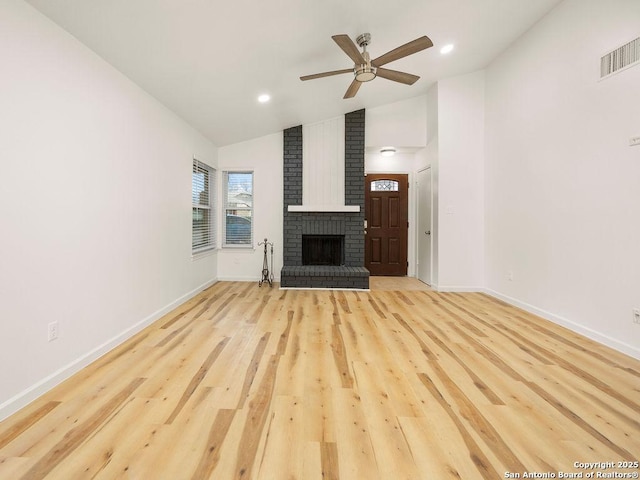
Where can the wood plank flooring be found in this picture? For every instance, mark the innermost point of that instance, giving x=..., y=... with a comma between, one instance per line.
x=244, y=382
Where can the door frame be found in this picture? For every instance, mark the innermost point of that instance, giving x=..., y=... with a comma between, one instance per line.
x=418, y=232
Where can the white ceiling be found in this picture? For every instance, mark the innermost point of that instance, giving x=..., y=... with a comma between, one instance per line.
x=208, y=60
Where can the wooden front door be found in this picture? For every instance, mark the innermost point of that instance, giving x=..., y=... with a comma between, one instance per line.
x=386, y=215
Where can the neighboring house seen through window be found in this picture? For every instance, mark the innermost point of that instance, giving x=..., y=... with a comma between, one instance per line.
x=203, y=181
x=238, y=209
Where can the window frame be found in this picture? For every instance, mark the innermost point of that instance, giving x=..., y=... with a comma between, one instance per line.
x=209, y=185
x=226, y=208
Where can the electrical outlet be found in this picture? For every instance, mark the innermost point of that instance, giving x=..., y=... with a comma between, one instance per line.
x=52, y=331
x=636, y=315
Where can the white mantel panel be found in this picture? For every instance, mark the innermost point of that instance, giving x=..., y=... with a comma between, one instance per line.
x=323, y=162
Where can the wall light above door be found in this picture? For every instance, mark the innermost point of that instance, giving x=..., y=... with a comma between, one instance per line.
x=387, y=151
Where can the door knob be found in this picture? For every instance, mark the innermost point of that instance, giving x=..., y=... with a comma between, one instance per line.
x=428, y=233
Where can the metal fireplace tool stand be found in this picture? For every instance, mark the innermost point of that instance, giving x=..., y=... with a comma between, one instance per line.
x=266, y=275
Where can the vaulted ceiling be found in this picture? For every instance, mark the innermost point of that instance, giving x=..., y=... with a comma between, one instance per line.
x=208, y=60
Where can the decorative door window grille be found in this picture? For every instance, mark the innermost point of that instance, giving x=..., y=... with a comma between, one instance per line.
x=384, y=186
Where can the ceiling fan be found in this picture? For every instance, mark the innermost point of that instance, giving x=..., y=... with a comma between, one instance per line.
x=366, y=69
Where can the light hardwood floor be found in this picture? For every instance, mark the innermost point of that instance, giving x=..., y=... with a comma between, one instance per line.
x=248, y=382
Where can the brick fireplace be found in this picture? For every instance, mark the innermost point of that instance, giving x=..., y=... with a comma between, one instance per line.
x=347, y=226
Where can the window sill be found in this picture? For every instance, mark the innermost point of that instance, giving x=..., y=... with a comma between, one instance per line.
x=232, y=246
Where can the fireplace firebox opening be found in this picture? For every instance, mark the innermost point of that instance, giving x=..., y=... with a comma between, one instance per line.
x=323, y=250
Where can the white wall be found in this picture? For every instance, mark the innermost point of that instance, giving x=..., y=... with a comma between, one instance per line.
x=398, y=124
x=562, y=184
x=263, y=156
x=95, y=206
x=460, y=183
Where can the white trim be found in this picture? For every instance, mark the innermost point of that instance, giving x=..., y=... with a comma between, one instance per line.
x=225, y=207
x=575, y=327
x=36, y=390
x=458, y=289
x=323, y=208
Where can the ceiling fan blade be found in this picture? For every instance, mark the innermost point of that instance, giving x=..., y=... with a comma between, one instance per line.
x=396, y=76
x=402, y=51
x=353, y=89
x=326, y=74
x=348, y=47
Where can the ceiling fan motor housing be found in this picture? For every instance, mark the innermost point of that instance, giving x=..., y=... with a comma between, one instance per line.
x=363, y=40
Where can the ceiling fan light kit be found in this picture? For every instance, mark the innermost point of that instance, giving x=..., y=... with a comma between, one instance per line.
x=365, y=73
x=365, y=69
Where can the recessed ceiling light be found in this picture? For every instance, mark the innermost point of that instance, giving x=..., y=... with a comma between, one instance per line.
x=446, y=49
x=264, y=98
x=387, y=151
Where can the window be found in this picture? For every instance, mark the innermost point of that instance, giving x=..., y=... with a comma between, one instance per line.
x=203, y=181
x=238, y=209
x=384, y=186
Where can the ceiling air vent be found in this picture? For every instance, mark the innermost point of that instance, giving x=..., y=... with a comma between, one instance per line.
x=620, y=59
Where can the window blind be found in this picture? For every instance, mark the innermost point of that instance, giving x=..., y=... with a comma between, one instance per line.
x=202, y=197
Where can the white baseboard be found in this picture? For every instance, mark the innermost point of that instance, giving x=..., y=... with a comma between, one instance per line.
x=244, y=279
x=576, y=327
x=27, y=396
x=457, y=288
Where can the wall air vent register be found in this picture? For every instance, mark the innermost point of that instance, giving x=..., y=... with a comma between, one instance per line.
x=620, y=59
